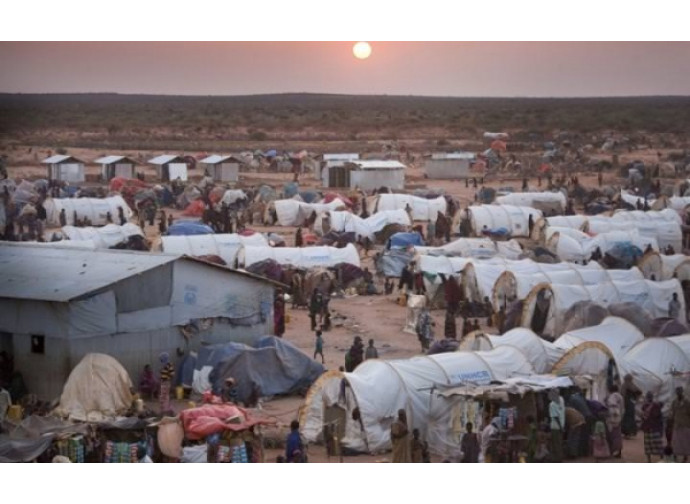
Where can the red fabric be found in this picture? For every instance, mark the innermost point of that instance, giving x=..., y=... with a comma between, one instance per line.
x=328, y=197
x=118, y=182
x=205, y=420
x=194, y=209
x=247, y=232
x=309, y=238
x=498, y=145
x=216, y=194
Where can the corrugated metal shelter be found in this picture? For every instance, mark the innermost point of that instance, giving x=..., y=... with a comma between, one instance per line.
x=453, y=165
x=223, y=168
x=65, y=168
x=372, y=174
x=116, y=166
x=57, y=305
x=169, y=167
x=331, y=170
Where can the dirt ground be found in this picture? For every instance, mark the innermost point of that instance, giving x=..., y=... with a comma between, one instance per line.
x=375, y=317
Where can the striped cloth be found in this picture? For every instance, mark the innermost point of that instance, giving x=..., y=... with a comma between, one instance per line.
x=165, y=396
x=653, y=443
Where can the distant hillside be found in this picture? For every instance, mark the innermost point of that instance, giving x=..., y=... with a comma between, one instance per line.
x=141, y=120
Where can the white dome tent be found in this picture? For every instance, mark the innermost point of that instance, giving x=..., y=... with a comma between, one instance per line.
x=532, y=199
x=96, y=209
x=103, y=237
x=300, y=257
x=380, y=388
x=547, y=304
x=227, y=246
x=513, y=218
x=347, y=222
x=422, y=209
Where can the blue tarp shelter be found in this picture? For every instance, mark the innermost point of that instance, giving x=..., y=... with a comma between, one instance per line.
x=187, y=228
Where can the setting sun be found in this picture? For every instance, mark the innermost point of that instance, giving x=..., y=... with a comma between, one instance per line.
x=362, y=50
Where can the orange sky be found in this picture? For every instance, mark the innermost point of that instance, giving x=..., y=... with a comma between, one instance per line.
x=400, y=68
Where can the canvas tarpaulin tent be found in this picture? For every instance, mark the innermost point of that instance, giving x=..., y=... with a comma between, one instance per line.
x=528, y=199
x=188, y=228
x=422, y=209
x=518, y=281
x=380, y=388
x=273, y=365
x=513, y=219
x=665, y=232
x=656, y=364
x=405, y=240
x=347, y=222
x=665, y=267
x=480, y=276
x=576, y=246
x=225, y=246
x=293, y=213
x=103, y=237
x=546, y=305
x=304, y=257
x=97, y=388
x=391, y=262
x=541, y=353
x=96, y=209
x=474, y=247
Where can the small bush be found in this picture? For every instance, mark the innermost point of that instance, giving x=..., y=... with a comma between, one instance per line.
x=258, y=135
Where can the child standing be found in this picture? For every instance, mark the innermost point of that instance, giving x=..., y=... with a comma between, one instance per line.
x=318, y=347
x=600, y=446
x=470, y=445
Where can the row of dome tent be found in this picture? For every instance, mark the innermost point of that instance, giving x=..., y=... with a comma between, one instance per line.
x=518, y=359
x=576, y=237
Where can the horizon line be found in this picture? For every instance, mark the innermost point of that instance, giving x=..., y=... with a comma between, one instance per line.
x=315, y=93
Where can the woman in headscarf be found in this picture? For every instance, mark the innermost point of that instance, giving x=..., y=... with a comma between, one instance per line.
x=400, y=438
x=652, y=427
x=614, y=403
x=630, y=393
x=279, y=314
x=450, y=330
x=167, y=375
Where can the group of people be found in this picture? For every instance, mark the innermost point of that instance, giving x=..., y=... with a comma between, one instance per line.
x=357, y=354
x=577, y=427
x=23, y=222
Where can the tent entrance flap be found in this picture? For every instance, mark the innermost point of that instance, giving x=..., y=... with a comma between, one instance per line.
x=540, y=314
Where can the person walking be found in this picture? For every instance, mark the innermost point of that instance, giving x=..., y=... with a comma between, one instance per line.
x=318, y=347
x=424, y=329
x=652, y=427
x=630, y=393
x=680, y=413
x=615, y=404
x=557, y=420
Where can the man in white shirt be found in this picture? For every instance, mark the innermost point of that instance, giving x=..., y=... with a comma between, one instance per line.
x=557, y=418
